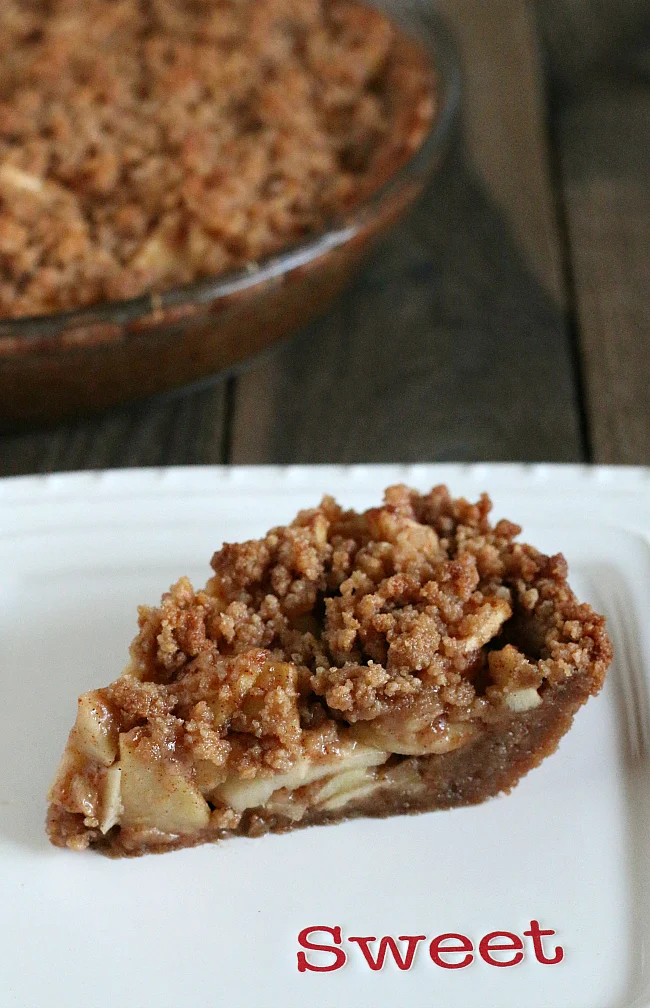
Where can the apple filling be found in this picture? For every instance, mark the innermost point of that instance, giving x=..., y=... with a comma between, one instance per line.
x=122, y=779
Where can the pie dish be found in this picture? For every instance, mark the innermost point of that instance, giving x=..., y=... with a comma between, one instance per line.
x=177, y=332
x=410, y=658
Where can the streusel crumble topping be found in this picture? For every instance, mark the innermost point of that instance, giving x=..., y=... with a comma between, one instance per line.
x=356, y=617
x=148, y=143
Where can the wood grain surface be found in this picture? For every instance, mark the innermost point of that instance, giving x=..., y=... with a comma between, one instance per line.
x=580, y=38
x=182, y=430
x=447, y=348
x=604, y=141
x=505, y=124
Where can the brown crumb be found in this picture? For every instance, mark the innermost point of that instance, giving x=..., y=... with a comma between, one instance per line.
x=343, y=617
x=148, y=143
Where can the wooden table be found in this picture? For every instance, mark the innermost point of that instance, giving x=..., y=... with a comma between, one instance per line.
x=507, y=319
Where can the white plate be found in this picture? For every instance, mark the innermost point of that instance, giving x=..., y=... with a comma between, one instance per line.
x=218, y=925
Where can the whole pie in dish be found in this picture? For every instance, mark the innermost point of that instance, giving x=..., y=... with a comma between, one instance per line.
x=410, y=658
x=150, y=143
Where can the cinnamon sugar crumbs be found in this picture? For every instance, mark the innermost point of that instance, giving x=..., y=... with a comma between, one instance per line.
x=148, y=143
x=419, y=605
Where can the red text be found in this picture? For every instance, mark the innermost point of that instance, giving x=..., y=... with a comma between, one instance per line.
x=500, y=948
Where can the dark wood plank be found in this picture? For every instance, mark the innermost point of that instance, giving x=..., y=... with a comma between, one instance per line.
x=447, y=348
x=183, y=430
x=580, y=36
x=604, y=138
x=504, y=123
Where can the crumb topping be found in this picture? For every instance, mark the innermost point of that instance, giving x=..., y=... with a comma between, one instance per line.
x=148, y=143
x=417, y=613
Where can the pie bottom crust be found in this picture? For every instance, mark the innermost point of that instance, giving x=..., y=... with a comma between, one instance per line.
x=489, y=765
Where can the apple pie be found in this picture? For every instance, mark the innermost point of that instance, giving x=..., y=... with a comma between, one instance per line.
x=409, y=658
x=150, y=143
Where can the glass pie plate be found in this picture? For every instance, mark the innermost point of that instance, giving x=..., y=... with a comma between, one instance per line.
x=52, y=366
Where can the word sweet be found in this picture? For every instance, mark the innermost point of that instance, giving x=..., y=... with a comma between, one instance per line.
x=449, y=951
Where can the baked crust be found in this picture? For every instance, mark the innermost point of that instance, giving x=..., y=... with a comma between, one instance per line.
x=410, y=658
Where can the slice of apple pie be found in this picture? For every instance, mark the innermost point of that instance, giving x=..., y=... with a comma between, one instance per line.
x=410, y=658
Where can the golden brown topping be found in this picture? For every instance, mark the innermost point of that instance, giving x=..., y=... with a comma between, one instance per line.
x=147, y=143
x=345, y=617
